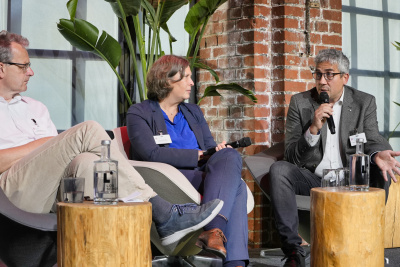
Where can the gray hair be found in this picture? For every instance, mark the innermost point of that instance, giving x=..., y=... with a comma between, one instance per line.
x=333, y=56
x=6, y=38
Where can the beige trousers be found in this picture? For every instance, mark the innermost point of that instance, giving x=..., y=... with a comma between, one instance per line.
x=32, y=183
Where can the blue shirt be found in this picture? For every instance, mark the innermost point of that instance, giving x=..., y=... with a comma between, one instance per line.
x=179, y=130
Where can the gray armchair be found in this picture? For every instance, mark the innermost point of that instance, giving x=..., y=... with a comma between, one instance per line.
x=26, y=239
x=259, y=165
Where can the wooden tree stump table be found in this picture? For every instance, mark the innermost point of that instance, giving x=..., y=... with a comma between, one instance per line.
x=347, y=228
x=103, y=235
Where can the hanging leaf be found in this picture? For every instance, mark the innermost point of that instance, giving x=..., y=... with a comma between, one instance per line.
x=397, y=45
x=212, y=91
x=84, y=36
x=205, y=67
x=130, y=7
x=71, y=6
x=198, y=14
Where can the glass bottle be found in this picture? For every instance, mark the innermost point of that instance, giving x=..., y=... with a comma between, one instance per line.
x=105, y=177
x=359, y=168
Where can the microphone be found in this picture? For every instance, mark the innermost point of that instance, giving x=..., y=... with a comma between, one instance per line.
x=245, y=141
x=324, y=98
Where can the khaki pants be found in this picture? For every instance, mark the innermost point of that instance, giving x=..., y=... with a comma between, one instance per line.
x=32, y=183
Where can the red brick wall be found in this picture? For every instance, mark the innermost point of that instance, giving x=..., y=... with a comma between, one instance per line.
x=266, y=46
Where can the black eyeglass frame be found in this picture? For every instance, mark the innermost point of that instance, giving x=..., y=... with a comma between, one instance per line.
x=25, y=66
x=317, y=73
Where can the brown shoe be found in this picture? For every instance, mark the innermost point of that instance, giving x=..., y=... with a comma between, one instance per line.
x=213, y=241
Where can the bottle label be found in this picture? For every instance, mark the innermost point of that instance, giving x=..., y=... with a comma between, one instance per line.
x=353, y=138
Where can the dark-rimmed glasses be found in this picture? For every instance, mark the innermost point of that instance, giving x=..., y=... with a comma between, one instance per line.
x=22, y=66
x=327, y=75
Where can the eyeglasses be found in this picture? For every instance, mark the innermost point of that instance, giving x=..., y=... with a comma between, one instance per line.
x=24, y=67
x=327, y=75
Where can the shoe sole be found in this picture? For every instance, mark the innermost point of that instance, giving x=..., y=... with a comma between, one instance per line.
x=216, y=252
x=178, y=235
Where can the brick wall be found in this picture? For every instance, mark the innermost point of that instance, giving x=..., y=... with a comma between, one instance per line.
x=266, y=46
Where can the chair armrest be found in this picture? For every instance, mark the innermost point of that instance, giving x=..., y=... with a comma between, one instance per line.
x=260, y=163
x=40, y=221
x=167, y=182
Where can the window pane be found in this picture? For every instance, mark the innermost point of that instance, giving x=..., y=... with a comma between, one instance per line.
x=41, y=30
x=100, y=91
x=370, y=42
x=51, y=85
x=394, y=31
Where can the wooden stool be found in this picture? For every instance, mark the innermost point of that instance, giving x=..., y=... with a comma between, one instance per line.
x=103, y=235
x=347, y=228
x=392, y=216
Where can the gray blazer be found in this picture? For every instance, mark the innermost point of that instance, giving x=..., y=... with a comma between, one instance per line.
x=358, y=115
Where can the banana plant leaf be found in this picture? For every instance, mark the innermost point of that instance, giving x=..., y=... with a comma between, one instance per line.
x=71, y=6
x=397, y=45
x=85, y=36
x=206, y=67
x=130, y=7
x=212, y=91
x=198, y=14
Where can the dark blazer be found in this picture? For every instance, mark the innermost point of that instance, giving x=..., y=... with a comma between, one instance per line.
x=144, y=120
x=358, y=114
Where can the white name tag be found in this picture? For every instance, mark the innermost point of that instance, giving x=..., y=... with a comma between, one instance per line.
x=162, y=139
x=353, y=138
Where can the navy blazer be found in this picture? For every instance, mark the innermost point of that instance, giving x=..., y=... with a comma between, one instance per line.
x=358, y=114
x=144, y=120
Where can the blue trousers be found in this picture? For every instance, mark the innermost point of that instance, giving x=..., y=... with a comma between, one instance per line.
x=220, y=178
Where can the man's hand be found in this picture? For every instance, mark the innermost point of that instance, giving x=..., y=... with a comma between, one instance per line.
x=321, y=114
x=387, y=163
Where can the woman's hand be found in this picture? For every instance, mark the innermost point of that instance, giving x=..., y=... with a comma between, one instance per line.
x=222, y=146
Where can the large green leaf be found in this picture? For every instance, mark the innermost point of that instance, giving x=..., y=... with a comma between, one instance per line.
x=130, y=7
x=84, y=36
x=169, y=8
x=198, y=14
x=212, y=91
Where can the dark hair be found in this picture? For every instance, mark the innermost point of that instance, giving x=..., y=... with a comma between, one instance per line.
x=160, y=74
x=333, y=56
x=6, y=38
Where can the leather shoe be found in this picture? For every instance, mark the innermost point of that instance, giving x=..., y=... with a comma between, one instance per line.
x=213, y=241
x=295, y=259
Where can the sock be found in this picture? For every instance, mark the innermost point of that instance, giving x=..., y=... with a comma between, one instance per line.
x=218, y=222
x=160, y=209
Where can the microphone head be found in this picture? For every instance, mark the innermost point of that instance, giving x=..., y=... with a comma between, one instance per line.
x=324, y=97
x=245, y=141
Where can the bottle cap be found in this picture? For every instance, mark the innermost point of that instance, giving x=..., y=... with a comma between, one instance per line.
x=105, y=142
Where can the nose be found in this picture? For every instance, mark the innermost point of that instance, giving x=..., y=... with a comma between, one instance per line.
x=191, y=82
x=30, y=72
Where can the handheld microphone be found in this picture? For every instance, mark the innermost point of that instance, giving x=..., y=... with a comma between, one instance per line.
x=245, y=141
x=324, y=98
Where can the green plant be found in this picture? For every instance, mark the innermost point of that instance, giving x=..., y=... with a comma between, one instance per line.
x=85, y=36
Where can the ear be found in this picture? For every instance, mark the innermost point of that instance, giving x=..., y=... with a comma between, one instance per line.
x=345, y=78
x=2, y=70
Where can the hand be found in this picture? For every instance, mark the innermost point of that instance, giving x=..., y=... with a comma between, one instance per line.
x=200, y=155
x=387, y=163
x=222, y=146
x=321, y=114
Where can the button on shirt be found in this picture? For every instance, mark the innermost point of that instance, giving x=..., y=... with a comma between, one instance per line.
x=331, y=158
x=181, y=135
x=23, y=120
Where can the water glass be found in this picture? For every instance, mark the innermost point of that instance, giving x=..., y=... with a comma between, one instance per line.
x=329, y=178
x=343, y=177
x=72, y=189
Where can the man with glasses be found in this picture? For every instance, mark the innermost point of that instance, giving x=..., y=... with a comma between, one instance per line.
x=311, y=147
x=33, y=158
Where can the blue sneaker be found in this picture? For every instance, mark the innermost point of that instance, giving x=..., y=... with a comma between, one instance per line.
x=187, y=218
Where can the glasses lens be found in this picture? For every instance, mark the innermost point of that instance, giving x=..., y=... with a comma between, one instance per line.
x=317, y=75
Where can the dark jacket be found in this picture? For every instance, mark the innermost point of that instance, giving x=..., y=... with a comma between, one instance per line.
x=358, y=114
x=144, y=120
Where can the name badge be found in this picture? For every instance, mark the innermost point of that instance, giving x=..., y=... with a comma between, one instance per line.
x=162, y=139
x=353, y=138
